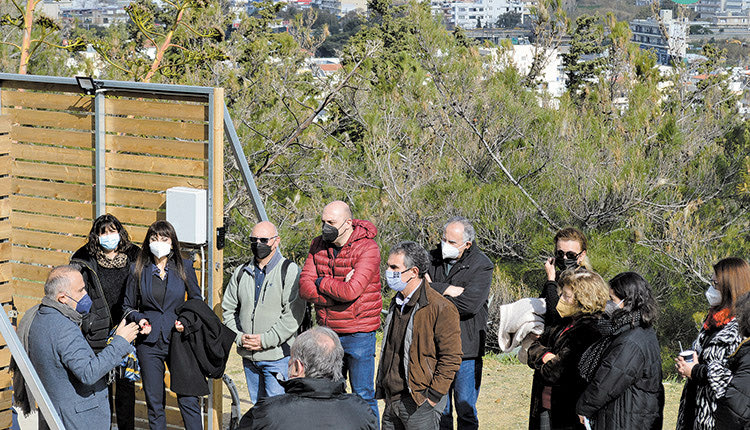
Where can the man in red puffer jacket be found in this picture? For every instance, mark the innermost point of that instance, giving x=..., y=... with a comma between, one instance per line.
x=341, y=277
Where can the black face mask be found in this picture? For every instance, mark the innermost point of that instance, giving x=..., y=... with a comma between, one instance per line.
x=566, y=263
x=329, y=233
x=260, y=250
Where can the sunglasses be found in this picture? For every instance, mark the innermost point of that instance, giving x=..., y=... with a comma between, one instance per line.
x=570, y=255
x=263, y=240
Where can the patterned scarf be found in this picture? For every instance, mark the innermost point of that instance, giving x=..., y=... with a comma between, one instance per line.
x=119, y=261
x=610, y=328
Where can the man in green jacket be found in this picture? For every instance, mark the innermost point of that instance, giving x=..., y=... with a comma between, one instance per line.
x=262, y=305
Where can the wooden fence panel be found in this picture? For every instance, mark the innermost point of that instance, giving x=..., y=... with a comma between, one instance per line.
x=47, y=181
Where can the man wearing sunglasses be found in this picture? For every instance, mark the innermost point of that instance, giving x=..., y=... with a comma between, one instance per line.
x=570, y=253
x=262, y=306
x=462, y=273
x=341, y=277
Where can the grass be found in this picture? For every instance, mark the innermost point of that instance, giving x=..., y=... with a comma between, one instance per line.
x=503, y=399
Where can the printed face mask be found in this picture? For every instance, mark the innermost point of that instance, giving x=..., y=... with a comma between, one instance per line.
x=393, y=279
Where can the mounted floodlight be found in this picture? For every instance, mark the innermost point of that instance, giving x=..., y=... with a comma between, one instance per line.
x=87, y=84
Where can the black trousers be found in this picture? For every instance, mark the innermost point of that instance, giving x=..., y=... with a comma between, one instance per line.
x=152, y=361
x=122, y=401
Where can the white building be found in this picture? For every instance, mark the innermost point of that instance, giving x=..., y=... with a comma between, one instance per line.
x=340, y=7
x=666, y=36
x=708, y=9
x=478, y=13
x=521, y=57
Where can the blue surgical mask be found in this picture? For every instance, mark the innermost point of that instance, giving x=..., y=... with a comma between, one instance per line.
x=83, y=306
x=393, y=279
x=109, y=241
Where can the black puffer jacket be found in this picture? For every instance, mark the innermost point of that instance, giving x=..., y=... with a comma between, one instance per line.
x=106, y=292
x=473, y=272
x=733, y=410
x=626, y=391
x=567, y=341
x=311, y=404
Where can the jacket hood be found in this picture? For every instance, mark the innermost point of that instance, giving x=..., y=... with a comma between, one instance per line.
x=314, y=387
x=363, y=229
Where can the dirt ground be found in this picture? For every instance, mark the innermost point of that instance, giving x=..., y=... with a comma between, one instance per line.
x=503, y=400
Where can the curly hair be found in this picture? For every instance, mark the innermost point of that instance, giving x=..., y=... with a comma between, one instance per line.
x=590, y=291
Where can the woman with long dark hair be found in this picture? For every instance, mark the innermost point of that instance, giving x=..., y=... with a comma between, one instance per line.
x=707, y=372
x=104, y=261
x=623, y=369
x=157, y=285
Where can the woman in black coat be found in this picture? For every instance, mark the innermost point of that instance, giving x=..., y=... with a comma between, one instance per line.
x=157, y=285
x=555, y=355
x=733, y=410
x=624, y=367
x=104, y=261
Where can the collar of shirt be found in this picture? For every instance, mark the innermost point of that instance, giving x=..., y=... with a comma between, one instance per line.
x=271, y=264
x=155, y=269
x=402, y=301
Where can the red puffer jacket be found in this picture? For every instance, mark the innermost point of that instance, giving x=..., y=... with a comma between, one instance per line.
x=345, y=307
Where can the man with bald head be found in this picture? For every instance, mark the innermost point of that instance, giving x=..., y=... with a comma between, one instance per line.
x=262, y=305
x=341, y=277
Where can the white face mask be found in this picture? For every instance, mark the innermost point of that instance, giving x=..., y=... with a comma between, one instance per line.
x=713, y=296
x=160, y=249
x=450, y=252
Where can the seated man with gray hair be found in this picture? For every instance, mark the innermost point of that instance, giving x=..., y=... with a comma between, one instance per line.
x=72, y=374
x=316, y=395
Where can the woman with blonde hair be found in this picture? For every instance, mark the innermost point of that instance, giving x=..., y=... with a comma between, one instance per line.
x=555, y=355
x=707, y=372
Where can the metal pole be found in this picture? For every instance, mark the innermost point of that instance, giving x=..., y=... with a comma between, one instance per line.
x=211, y=232
x=29, y=373
x=247, y=176
x=100, y=149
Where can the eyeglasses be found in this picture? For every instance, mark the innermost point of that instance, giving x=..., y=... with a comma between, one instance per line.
x=570, y=255
x=263, y=240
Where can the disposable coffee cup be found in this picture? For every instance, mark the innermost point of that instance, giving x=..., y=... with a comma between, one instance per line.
x=687, y=355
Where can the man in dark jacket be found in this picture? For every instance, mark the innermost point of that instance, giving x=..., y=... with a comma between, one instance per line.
x=461, y=272
x=421, y=345
x=316, y=395
x=341, y=277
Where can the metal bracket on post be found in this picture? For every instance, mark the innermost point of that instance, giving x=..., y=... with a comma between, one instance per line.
x=29, y=373
x=100, y=149
x=247, y=176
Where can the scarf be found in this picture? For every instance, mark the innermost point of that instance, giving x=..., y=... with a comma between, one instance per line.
x=717, y=319
x=64, y=309
x=118, y=262
x=610, y=328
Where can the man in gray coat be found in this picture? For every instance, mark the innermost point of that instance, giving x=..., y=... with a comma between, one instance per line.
x=72, y=374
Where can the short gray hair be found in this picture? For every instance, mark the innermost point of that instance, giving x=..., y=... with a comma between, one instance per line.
x=469, y=233
x=414, y=256
x=320, y=352
x=59, y=280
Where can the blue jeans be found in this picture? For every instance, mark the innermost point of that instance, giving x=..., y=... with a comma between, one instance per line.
x=359, y=363
x=464, y=392
x=261, y=379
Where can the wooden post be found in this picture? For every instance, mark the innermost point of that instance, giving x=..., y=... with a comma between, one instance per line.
x=218, y=216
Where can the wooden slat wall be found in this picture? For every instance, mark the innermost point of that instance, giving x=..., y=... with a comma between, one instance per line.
x=6, y=297
x=152, y=145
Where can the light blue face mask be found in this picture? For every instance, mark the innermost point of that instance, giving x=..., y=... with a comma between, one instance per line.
x=393, y=279
x=109, y=241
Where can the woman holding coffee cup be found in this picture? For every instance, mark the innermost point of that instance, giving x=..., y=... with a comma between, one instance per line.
x=708, y=375
x=623, y=368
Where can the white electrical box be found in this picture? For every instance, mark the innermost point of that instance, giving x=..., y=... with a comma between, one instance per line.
x=186, y=211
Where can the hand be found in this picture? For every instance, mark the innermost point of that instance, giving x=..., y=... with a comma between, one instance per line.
x=431, y=403
x=684, y=368
x=127, y=331
x=145, y=326
x=178, y=326
x=549, y=267
x=453, y=291
x=548, y=357
x=349, y=276
x=581, y=418
x=251, y=342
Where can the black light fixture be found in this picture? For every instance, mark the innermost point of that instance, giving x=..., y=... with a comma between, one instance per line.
x=87, y=84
